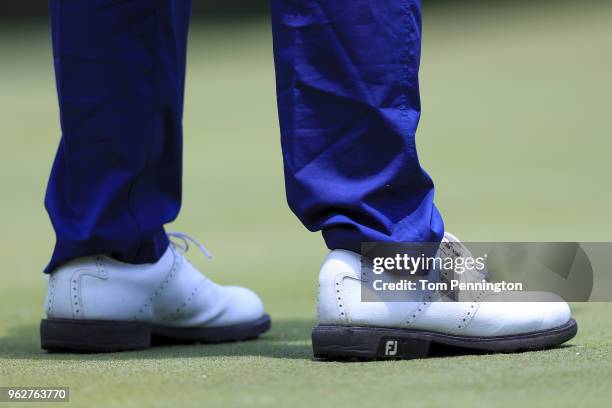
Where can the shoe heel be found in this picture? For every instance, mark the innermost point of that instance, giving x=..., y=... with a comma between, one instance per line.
x=93, y=336
x=352, y=342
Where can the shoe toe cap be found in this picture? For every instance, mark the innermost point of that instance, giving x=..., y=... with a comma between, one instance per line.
x=555, y=314
x=520, y=313
x=242, y=305
x=550, y=309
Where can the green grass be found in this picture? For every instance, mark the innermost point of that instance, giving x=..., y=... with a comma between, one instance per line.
x=516, y=133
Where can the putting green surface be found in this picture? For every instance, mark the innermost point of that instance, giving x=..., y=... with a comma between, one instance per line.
x=515, y=132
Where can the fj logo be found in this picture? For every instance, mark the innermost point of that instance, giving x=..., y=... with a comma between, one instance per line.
x=391, y=348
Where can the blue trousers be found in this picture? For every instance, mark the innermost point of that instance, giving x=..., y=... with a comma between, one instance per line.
x=348, y=104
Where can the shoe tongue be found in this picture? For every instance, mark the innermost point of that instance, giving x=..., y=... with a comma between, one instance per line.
x=451, y=247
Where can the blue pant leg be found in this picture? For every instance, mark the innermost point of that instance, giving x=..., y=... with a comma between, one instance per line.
x=116, y=178
x=349, y=106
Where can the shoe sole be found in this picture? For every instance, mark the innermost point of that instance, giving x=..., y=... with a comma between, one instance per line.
x=368, y=343
x=105, y=336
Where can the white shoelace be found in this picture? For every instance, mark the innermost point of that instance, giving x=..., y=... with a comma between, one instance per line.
x=185, y=239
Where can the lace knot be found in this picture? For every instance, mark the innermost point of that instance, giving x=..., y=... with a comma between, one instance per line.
x=181, y=242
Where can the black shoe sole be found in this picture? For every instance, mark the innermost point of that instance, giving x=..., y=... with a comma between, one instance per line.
x=105, y=336
x=370, y=343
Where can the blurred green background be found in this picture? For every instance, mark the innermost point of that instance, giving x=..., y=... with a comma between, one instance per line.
x=515, y=132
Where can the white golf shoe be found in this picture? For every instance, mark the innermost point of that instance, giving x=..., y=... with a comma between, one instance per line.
x=98, y=304
x=418, y=327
